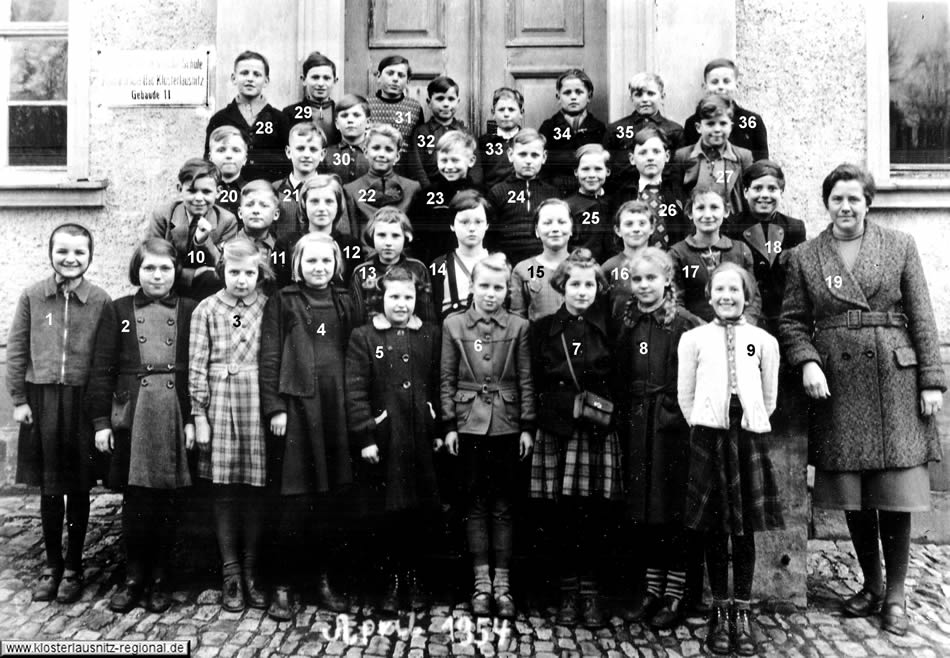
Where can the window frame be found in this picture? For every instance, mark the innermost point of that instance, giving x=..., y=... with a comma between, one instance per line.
x=22, y=186
x=930, y=188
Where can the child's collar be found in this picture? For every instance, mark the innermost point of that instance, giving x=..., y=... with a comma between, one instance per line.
x=379, y=95
x=382, y=323
x=256, y=104
x=596, y=195
x=325, y=104
x=233, y=301
x=509, y=134
x=643, y=183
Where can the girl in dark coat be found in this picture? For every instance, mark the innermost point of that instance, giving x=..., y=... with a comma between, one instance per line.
x=49, y=358
x=575, y=463
x=858, y=322
x=657, y=436
x=392, y=389
x=139, y=403
x=304, y=334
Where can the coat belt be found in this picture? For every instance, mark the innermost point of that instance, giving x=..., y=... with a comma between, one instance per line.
x=486, y=388
x=856, y=319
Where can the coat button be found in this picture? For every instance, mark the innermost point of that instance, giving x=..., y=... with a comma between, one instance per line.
x=405, y=358
x=149, y=367
x=140, y=319
x=406, y=384
x=232, y=368
x=170, y=366
x=144, y=381
x=487, y=357
x=869, y=354
x=845, y=356
x=142, y=339
x=170, y=322
x=169, y=384
x=169, y=341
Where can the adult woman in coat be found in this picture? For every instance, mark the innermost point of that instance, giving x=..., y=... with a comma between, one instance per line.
x=858, y=322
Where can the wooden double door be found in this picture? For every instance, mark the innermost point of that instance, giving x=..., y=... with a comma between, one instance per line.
x=482, y=45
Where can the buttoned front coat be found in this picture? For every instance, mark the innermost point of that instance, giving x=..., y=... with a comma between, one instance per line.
x=875, y=374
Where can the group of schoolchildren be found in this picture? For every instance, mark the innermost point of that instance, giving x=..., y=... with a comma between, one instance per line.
x=329, y=309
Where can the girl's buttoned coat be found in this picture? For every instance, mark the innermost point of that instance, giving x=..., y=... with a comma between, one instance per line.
x=875, y=373
x=117, y=368
x=486, y=386
x=392, y=393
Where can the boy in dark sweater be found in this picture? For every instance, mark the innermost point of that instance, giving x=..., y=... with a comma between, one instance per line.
x=316, y=106
x=265, y=125
x=507, y=106
x=443, y=99
x=515, y=199
x=721, y=77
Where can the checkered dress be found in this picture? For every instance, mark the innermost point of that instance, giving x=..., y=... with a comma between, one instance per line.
x=583, y=465
x=223, y=381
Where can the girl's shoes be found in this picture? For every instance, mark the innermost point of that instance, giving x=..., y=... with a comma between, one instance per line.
x=281, y=608
x=894, y=618
x=742, y=640
x=863, y=604
x=593, y=615
x=719, y=639
x=127, y=596
x=159, y=596
x=504, y=605
x=644, y=608
x=390, y=601
x=70, y=587
x=255, y=596
x=567, y=614
x=418, y=600
x=481, y=604
x=232, y=594
x=669, y=615
x=47, y=585
x=329, y=598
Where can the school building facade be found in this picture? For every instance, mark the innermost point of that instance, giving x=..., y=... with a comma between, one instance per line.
x=81, y=145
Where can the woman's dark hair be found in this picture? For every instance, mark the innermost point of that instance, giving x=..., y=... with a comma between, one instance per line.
x=155, y=247
x=845, y=172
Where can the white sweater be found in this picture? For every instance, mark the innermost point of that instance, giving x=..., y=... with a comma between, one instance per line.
x=703, y=377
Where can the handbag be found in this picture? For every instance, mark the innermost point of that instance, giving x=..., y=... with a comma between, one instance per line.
x=121, y=416
x=589, y=406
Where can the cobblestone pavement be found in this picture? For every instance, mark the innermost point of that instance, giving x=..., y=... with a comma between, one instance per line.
x=196, y=616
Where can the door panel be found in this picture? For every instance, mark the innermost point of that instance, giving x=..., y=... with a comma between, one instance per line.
x=482, y=45
x=542, y=39
x=434, y=35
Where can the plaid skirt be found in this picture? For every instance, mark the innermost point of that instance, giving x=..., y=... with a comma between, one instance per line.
x=731, y=486
x=582, y=465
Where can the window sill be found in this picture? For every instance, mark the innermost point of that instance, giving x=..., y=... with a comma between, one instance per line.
x=54, y=193
x=913, y=195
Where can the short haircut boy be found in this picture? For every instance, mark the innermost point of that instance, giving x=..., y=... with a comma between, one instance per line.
x=250, y=54
x=592, y=149
x=385, y=130
x=640, y=81
x=713, y=106
x=394, y=60
x=441, y=85
x=260, y=186
x=195, y=168
x=761, y=168
x=454, y=139
x=308, y=130
x=387, y=215
x=638, y=207
x=507, y=92
x=352, y=100
x=222, y=133
x=528, y=135
x=720, y=63
x=577, y=74
x=645, y=135
x=560, y=203
x=315, y=59
x=155, y=247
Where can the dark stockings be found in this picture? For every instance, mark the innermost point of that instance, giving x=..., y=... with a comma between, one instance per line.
x=149, y=518
x=76, y=510
x=238, y=516
x=743, y=565
x=488, y=527
x=893, y=529
x=581, y=536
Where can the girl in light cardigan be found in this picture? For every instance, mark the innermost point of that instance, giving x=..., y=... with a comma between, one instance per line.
x=727, y=383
